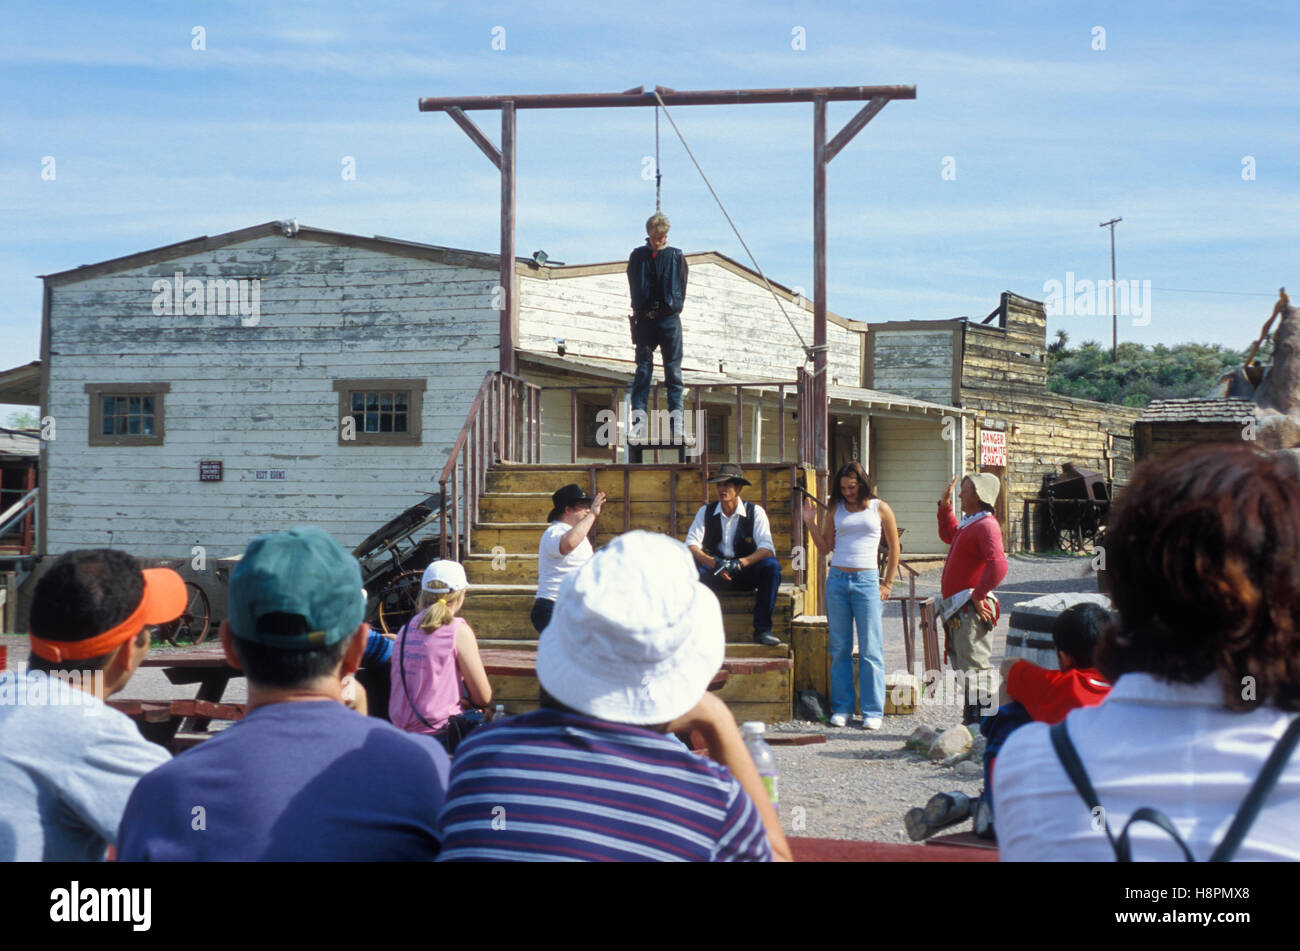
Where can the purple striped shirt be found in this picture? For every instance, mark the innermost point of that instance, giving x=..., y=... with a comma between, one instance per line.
x=553, y=786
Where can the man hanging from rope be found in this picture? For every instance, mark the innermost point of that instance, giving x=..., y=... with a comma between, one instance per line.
x=656, y=277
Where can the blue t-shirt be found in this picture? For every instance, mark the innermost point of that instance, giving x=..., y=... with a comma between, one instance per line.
x=294, y=781
x=68, y=764
x=556, y=786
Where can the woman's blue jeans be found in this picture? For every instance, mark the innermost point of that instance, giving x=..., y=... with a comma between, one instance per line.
x=855, y=597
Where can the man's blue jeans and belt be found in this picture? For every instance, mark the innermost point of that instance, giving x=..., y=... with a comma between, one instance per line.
x=855, y=597
x=762, y=576
x=665, y=334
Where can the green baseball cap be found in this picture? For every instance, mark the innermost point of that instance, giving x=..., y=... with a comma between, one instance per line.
x=301, y=571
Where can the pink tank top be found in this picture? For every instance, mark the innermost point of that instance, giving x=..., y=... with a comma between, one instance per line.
x=432, y=676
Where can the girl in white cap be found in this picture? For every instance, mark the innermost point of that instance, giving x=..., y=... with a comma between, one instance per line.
x=436, y=661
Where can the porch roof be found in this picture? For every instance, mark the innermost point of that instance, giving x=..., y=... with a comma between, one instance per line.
x=845, y=396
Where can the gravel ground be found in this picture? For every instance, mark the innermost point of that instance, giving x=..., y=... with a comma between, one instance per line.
x=858, y=784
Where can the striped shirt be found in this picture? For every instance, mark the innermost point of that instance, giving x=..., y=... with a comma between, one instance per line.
x=554, y=786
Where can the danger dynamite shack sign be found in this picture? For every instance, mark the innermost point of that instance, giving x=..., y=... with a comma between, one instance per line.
x=993, y=448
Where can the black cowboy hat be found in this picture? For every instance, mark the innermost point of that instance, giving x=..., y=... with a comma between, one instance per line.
x=730, y=472
x=571, y=494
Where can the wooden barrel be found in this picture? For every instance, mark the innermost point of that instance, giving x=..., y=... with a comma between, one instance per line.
x=1030, y=633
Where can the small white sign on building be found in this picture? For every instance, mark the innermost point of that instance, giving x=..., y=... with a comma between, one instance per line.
x=993, y=448
x=273, y=475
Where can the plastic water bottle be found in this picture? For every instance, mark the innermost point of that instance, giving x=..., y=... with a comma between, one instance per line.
x=764, y=758
x=499, y=714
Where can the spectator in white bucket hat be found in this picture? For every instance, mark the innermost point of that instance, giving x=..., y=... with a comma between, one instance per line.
x=592, y=776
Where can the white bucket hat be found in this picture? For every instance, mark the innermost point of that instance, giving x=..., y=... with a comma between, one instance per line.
x=987, y=487
x=635, y=637
x=443, y=576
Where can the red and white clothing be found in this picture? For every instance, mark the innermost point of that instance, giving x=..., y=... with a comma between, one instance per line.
x=975, y=556
x=1049, y=695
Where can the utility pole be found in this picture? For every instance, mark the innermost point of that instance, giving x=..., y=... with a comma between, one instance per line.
x=1114, y=323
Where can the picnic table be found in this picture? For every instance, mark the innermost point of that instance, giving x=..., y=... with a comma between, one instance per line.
x=161, y=720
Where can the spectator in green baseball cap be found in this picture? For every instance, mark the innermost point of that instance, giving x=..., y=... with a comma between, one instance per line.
x=301, y=777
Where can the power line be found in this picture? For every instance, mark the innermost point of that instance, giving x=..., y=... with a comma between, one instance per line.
x=1188, y=290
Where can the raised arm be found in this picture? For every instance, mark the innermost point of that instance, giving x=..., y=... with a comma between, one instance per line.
x=947, y=518
x=576, y=535
x=824, y=539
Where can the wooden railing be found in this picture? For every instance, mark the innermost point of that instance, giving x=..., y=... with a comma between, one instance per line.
x=504, y=424
x=21, y=516
x=617, y=393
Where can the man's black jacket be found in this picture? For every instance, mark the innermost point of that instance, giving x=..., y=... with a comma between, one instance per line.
x=657, y=278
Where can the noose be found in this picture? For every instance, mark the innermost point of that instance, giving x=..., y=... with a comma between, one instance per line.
x=658, y=175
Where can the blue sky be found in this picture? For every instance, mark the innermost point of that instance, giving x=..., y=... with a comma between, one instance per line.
x=154, y=141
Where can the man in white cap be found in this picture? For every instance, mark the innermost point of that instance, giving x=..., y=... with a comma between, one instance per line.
x=592, y=776
x=975, y=566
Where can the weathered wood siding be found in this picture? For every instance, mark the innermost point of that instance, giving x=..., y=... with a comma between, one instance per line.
x=915, y=363
x=259, y=397
x=1163, y=438
x=727, y=318
x=1003, y=376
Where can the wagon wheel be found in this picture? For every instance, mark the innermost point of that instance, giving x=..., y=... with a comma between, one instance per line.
x=398, y=600
x=195, y=622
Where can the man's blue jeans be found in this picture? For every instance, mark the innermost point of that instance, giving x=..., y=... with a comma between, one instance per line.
x=855, y=597
x=665, y=333
x=762, y=576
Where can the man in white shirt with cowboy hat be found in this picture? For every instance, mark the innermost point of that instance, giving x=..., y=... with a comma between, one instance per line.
x=731, y=542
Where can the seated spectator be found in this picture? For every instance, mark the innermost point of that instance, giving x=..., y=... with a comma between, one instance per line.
x=375, y=675
x=68, y=763
x=592, y=776
x=301, y=777
x=437, y=662
x=1203, y=567
x=1029, y=693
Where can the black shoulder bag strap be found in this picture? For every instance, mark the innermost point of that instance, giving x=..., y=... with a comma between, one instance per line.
x=1254, y=801
x=1247, y=812
x=401, y=663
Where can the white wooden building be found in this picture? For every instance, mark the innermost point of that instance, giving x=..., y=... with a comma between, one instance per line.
x=204, y=391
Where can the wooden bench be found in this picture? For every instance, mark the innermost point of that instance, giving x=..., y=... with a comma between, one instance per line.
x=160, y=720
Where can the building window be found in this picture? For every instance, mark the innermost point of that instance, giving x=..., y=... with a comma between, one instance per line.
x=591, y=424
x=379, y=412
x=717, y=424
x=126, y=414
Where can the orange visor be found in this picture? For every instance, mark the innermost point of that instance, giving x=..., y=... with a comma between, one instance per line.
x=164, y=600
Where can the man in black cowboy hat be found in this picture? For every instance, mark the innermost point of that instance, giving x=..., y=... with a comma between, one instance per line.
x=564, y=546
x=732, y=544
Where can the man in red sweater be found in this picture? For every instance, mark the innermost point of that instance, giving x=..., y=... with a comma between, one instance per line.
x=975, y=566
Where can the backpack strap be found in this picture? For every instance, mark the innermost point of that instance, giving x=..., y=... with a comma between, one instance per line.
x=1254, y=801
x=1073, y=766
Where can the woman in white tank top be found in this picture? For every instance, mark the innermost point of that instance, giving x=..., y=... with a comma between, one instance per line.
x=854, y=594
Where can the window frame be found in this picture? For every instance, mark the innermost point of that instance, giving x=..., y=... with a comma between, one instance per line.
x=96, y=393
x=414, y=411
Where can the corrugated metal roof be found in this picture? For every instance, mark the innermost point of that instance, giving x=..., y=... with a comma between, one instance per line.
x=15, y=442
x=1197, y=410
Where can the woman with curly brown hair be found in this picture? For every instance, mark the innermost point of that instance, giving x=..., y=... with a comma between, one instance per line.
x=1202, y=562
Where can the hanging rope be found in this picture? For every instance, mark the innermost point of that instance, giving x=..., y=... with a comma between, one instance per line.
x=658, y=174
x=807, y=350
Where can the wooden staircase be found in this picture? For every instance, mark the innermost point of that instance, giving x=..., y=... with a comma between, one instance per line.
x=501, y=565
